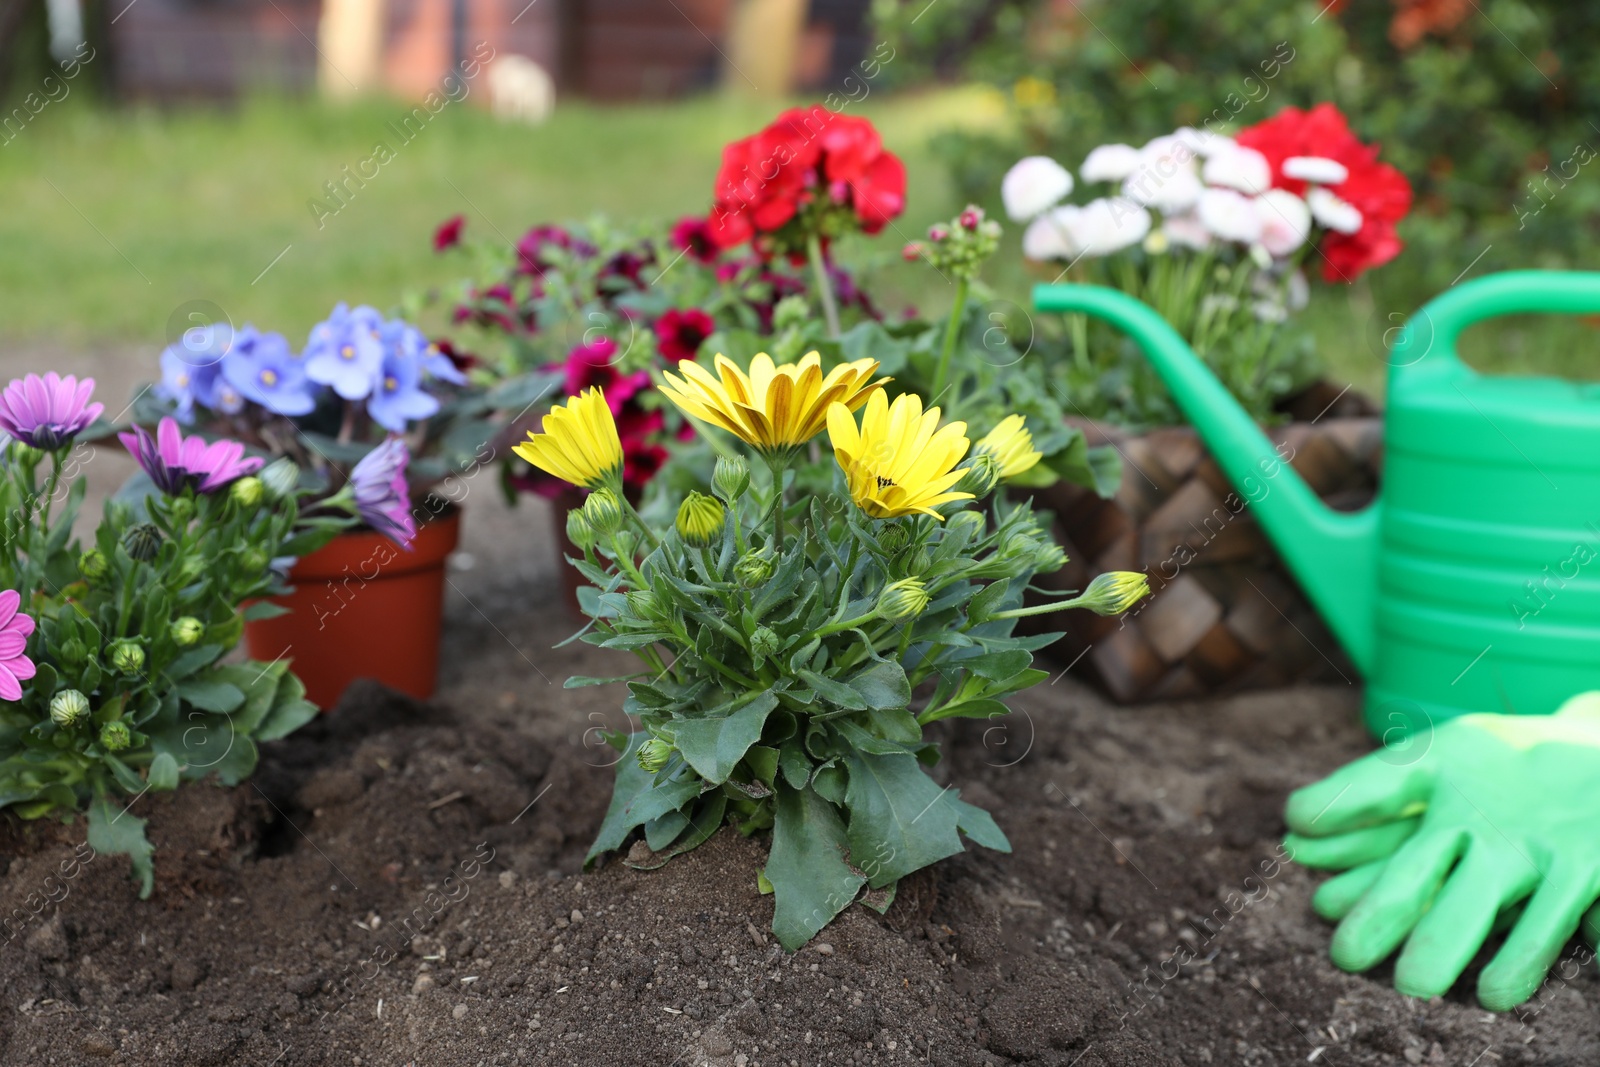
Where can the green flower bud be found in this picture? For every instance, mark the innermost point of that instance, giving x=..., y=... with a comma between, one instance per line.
x=791, y=311
x=753, y=568
x=114, y=736
x=653, y=755
x=26, y=457
x=913, y=562
x=182, y=509
x=731, y=478
x=127, y=657
x=247, y=491
x=624, y=543
x=579, y=532
x=1049, y=558
x=1114, y=592
x=93, y=565
x=603, y=512
x=983, y=474
x=253, y=560
x=700, y=519
x=893, y=537
x=643, y=603
x=905, y=599
x=142, y=542
x=972, y=522
x=68, y=707
x=186, y=631
x=1020, y=543
x=280, y=478
x=73, y=652
x=765, y=643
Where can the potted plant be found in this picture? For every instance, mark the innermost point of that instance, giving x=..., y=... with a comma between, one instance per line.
x=369, y=406
x=783, y=634
x=112, y=672
x=1217, y=234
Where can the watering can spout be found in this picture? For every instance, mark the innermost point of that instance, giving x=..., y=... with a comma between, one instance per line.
x=1332, y=554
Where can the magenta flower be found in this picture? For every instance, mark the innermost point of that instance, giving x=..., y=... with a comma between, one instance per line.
x=383, y=499
x=47, y=412
x=175, y=462
x=15, y=668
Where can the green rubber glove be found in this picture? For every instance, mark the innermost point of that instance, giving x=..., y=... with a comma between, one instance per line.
x=1498, y=813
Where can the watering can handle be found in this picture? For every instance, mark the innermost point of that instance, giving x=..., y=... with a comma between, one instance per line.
x=1433, y=330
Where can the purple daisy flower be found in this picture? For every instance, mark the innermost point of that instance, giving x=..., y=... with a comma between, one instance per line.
x=47, y=412
x=399, y=397
x=176, y=463
x=15, y=668
x=382, y=497
x=261, y=367
x=345, y=351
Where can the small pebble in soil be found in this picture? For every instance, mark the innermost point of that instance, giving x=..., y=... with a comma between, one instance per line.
x=459, y=1011
x=824, y=949
x=577, y=916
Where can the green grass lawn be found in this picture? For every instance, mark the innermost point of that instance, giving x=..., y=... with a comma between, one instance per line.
x=115, y=221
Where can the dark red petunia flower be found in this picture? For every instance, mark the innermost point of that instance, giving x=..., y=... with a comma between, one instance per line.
x=463, y=360
x=680, y=333
x=692, y=235
x=448, y=235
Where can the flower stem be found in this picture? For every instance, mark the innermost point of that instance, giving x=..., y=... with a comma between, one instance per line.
x=830, y=308
x=649, y=535
x=776, y=465
x=951, y=330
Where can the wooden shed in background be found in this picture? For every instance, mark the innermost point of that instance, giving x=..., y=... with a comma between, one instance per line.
x=600, y=49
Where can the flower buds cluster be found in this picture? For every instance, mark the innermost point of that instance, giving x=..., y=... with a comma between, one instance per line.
x=960, y=246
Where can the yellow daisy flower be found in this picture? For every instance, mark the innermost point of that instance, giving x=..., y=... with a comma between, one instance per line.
x=900, y=461
x=1011, y=445
x=775, y=408
x=579, y=443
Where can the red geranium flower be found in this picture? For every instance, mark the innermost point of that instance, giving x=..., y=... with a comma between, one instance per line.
x=448, y=235
x=767, y=179
x=679, y=334
x=1379, y=191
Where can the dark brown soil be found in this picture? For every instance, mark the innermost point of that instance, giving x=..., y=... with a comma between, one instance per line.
x=401, y=885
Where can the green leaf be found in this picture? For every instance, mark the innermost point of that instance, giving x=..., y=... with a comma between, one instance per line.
x=834, y=692
x=713, y=747
x=636, y=799
x=810, y=879
x=115, y=830
x=664, y=829
x=163, y=774
x=579, y=681
x=707, y=820
x=796, y=765
x=967, y=709
x=883, y=685
x=290, y=710
x=264, y=609
x=997, y=665
x=125, y=775
x=763, y=762
x=900, y=819
x=211, y=695
x=830, y=781
x=193, y=660
x=980, y=826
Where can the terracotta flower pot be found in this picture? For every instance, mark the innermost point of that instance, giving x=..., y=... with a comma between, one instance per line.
x=362, y=607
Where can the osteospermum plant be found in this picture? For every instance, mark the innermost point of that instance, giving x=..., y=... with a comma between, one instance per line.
x=112, y=680
x=795, y=646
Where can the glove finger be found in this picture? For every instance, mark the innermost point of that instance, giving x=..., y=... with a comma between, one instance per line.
x=1382, y=919
x=1340, y=851
x=1461, y=918
x=1591, y=926
x=1335, y=897
x=1369, y=791
x=1551, y=918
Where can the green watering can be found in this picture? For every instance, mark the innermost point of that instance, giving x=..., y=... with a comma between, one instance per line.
x=1473, y=582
